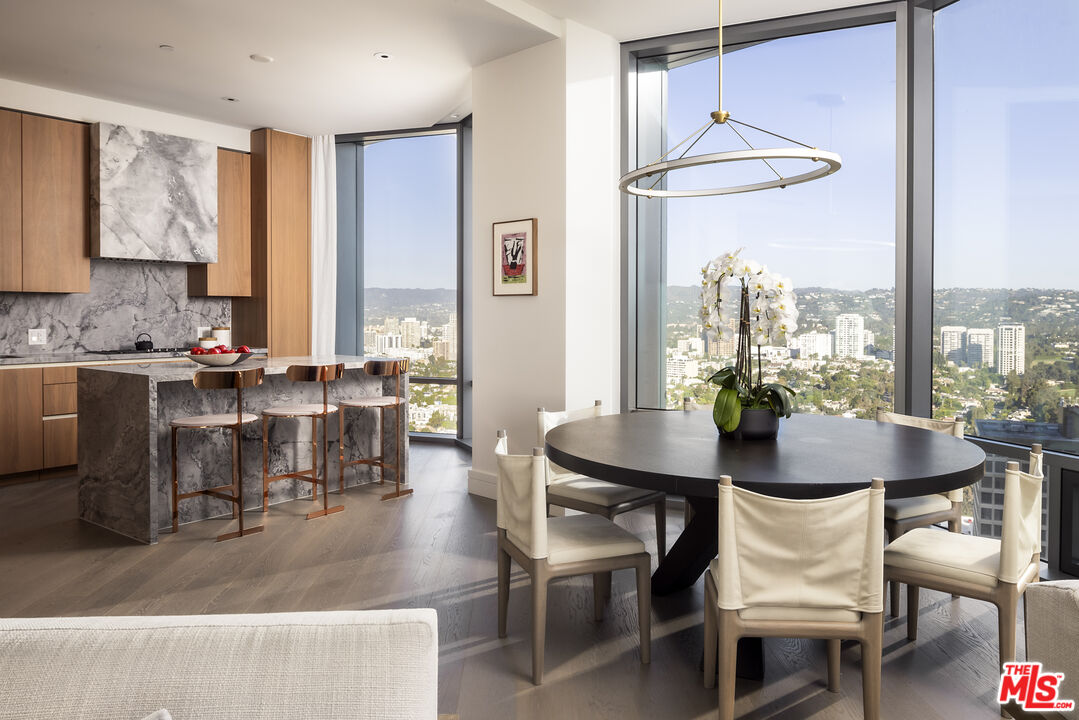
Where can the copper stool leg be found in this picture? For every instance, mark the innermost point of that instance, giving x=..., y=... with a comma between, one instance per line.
x=265, y=469
x=326, y=509
x=314, y=459
x=175, y=489
x=398, y=492
x=341, y=450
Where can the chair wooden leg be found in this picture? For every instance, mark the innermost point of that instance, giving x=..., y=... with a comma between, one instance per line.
x=912, y=612
x=539, y=622
x=661, y=528
x=175, y=488
x=871, y=660
x=834, y=647
x=607, y=582
x=644, y=606
x=598, y=599
x=893, y=592
x=265, y=467
x=503, y=590
x=710, y=636
x=728, y=661
x=1007, y=611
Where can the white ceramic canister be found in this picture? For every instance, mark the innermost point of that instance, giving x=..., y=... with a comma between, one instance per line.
x=208, y=342
x=223, y=335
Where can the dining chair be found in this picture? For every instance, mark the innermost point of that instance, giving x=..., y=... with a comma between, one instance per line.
x=324, y=374
x=997, y=571
x=568, y=489
x=904, y=514
x=796, y=569
x=219, y=380
x=552, y=548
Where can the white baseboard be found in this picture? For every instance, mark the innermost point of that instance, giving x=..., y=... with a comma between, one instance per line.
x=482, y=484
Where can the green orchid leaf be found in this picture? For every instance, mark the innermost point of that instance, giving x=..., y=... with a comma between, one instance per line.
x=727, y=405
x=736, y=417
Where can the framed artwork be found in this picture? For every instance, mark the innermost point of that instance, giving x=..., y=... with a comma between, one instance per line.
x=515, y=257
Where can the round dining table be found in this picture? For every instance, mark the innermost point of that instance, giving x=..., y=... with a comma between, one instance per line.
x=814, y=456
x=681, y=453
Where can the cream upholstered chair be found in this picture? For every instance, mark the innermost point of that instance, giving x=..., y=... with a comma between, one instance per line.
x=1051, y=624
x=550, y=548
x=797, y=568
x=579, y=492
x=906, y=514
x=997, y=571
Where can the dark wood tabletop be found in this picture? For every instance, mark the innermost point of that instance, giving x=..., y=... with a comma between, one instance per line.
x=814, y=455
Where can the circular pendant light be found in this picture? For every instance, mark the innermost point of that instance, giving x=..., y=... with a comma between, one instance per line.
x=824, y=162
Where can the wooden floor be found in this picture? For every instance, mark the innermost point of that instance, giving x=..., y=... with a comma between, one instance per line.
x=437, y=549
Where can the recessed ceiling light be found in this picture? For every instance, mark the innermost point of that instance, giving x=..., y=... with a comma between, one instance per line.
x=258, y=57
x=230, y=99
x=383, y=56
x=166, y=48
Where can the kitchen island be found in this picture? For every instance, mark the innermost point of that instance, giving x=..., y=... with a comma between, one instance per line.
x=125, y=457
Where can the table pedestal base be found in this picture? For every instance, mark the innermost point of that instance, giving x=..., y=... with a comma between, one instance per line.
x=691, y=553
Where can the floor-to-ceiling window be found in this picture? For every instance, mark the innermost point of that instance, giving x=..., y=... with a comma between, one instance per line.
x=406, y=197
x=834, y=238
x=1006, y=291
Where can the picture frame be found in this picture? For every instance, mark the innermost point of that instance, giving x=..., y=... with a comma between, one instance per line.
x=514, y=261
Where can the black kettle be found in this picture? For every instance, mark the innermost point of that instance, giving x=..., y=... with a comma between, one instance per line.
x=144, y=345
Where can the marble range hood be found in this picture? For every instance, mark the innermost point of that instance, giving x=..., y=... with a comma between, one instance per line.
x=152, y=196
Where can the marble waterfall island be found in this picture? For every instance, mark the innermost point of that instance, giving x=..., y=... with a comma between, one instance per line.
x=125, y=462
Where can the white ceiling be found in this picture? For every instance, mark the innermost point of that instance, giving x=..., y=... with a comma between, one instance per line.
x=325, y=77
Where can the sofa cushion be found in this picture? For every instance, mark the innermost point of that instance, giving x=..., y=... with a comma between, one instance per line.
x=330, y=665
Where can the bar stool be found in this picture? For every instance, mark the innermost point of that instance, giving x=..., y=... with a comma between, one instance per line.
x=220, y=380
x=304, y=373
x=377, y=368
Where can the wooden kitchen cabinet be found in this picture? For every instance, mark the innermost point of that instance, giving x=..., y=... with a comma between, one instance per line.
x=20, y=420
x=278, y=313
x=44, y=204
x=60, y=442
x=10, y=200
x=231, y=274
x=55, y=205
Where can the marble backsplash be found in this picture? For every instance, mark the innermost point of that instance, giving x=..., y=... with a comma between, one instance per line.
x=125, y=298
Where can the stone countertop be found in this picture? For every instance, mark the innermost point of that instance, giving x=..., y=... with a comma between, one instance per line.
x=71, y=358
x=175, y=372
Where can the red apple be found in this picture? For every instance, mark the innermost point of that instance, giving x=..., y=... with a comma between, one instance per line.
x=243, y=349
x=222, y=347
x=214, y=351
x=198, y=351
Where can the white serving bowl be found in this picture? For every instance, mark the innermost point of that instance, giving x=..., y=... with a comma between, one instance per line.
x=220, y=359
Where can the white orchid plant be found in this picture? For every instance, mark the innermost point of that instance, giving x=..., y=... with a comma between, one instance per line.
x=767, y=314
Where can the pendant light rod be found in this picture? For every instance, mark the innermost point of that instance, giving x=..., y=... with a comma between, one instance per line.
x=720, y=115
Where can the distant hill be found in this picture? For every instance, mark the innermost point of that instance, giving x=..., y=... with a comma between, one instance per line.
x=435, y=305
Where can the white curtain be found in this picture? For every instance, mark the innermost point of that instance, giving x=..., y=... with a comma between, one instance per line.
x=323, y=245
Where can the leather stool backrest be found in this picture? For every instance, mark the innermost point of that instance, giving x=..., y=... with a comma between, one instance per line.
x=228, y=379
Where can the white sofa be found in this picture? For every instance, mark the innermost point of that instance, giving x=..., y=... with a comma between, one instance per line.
x=1052, y=628
x=380, y=664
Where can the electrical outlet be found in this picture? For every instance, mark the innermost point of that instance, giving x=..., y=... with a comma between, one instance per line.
x=38, y=336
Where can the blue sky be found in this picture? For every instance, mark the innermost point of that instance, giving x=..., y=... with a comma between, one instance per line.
x=1007, y=158
x=410, y=212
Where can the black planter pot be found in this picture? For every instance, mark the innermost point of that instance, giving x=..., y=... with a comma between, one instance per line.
x=755, y=424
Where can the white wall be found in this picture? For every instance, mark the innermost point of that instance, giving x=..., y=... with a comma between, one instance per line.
x=545, y=145
x=519, y=171
x=71, y=106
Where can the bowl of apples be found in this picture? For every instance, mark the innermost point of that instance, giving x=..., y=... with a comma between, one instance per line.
x=219, y=356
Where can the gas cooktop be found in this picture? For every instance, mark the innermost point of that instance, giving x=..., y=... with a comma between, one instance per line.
x=133, y=351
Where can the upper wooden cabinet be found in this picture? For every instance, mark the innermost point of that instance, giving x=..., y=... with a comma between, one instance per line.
x=278, y=313
x=44, y=225
x=231, y=274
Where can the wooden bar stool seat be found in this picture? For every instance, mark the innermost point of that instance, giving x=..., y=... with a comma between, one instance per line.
x=233, y=492
x=382, y=403
x=324, y=374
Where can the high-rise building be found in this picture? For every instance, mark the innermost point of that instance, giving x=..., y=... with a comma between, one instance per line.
x=411, y=332
x=1011, y=349
x=951, y=343
x=680, y=369
x=386, y=343
x=813, y=345
x=869, y=339
x=449, y=336
x=726, y=346
x=980, y=347
x=849, y=335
